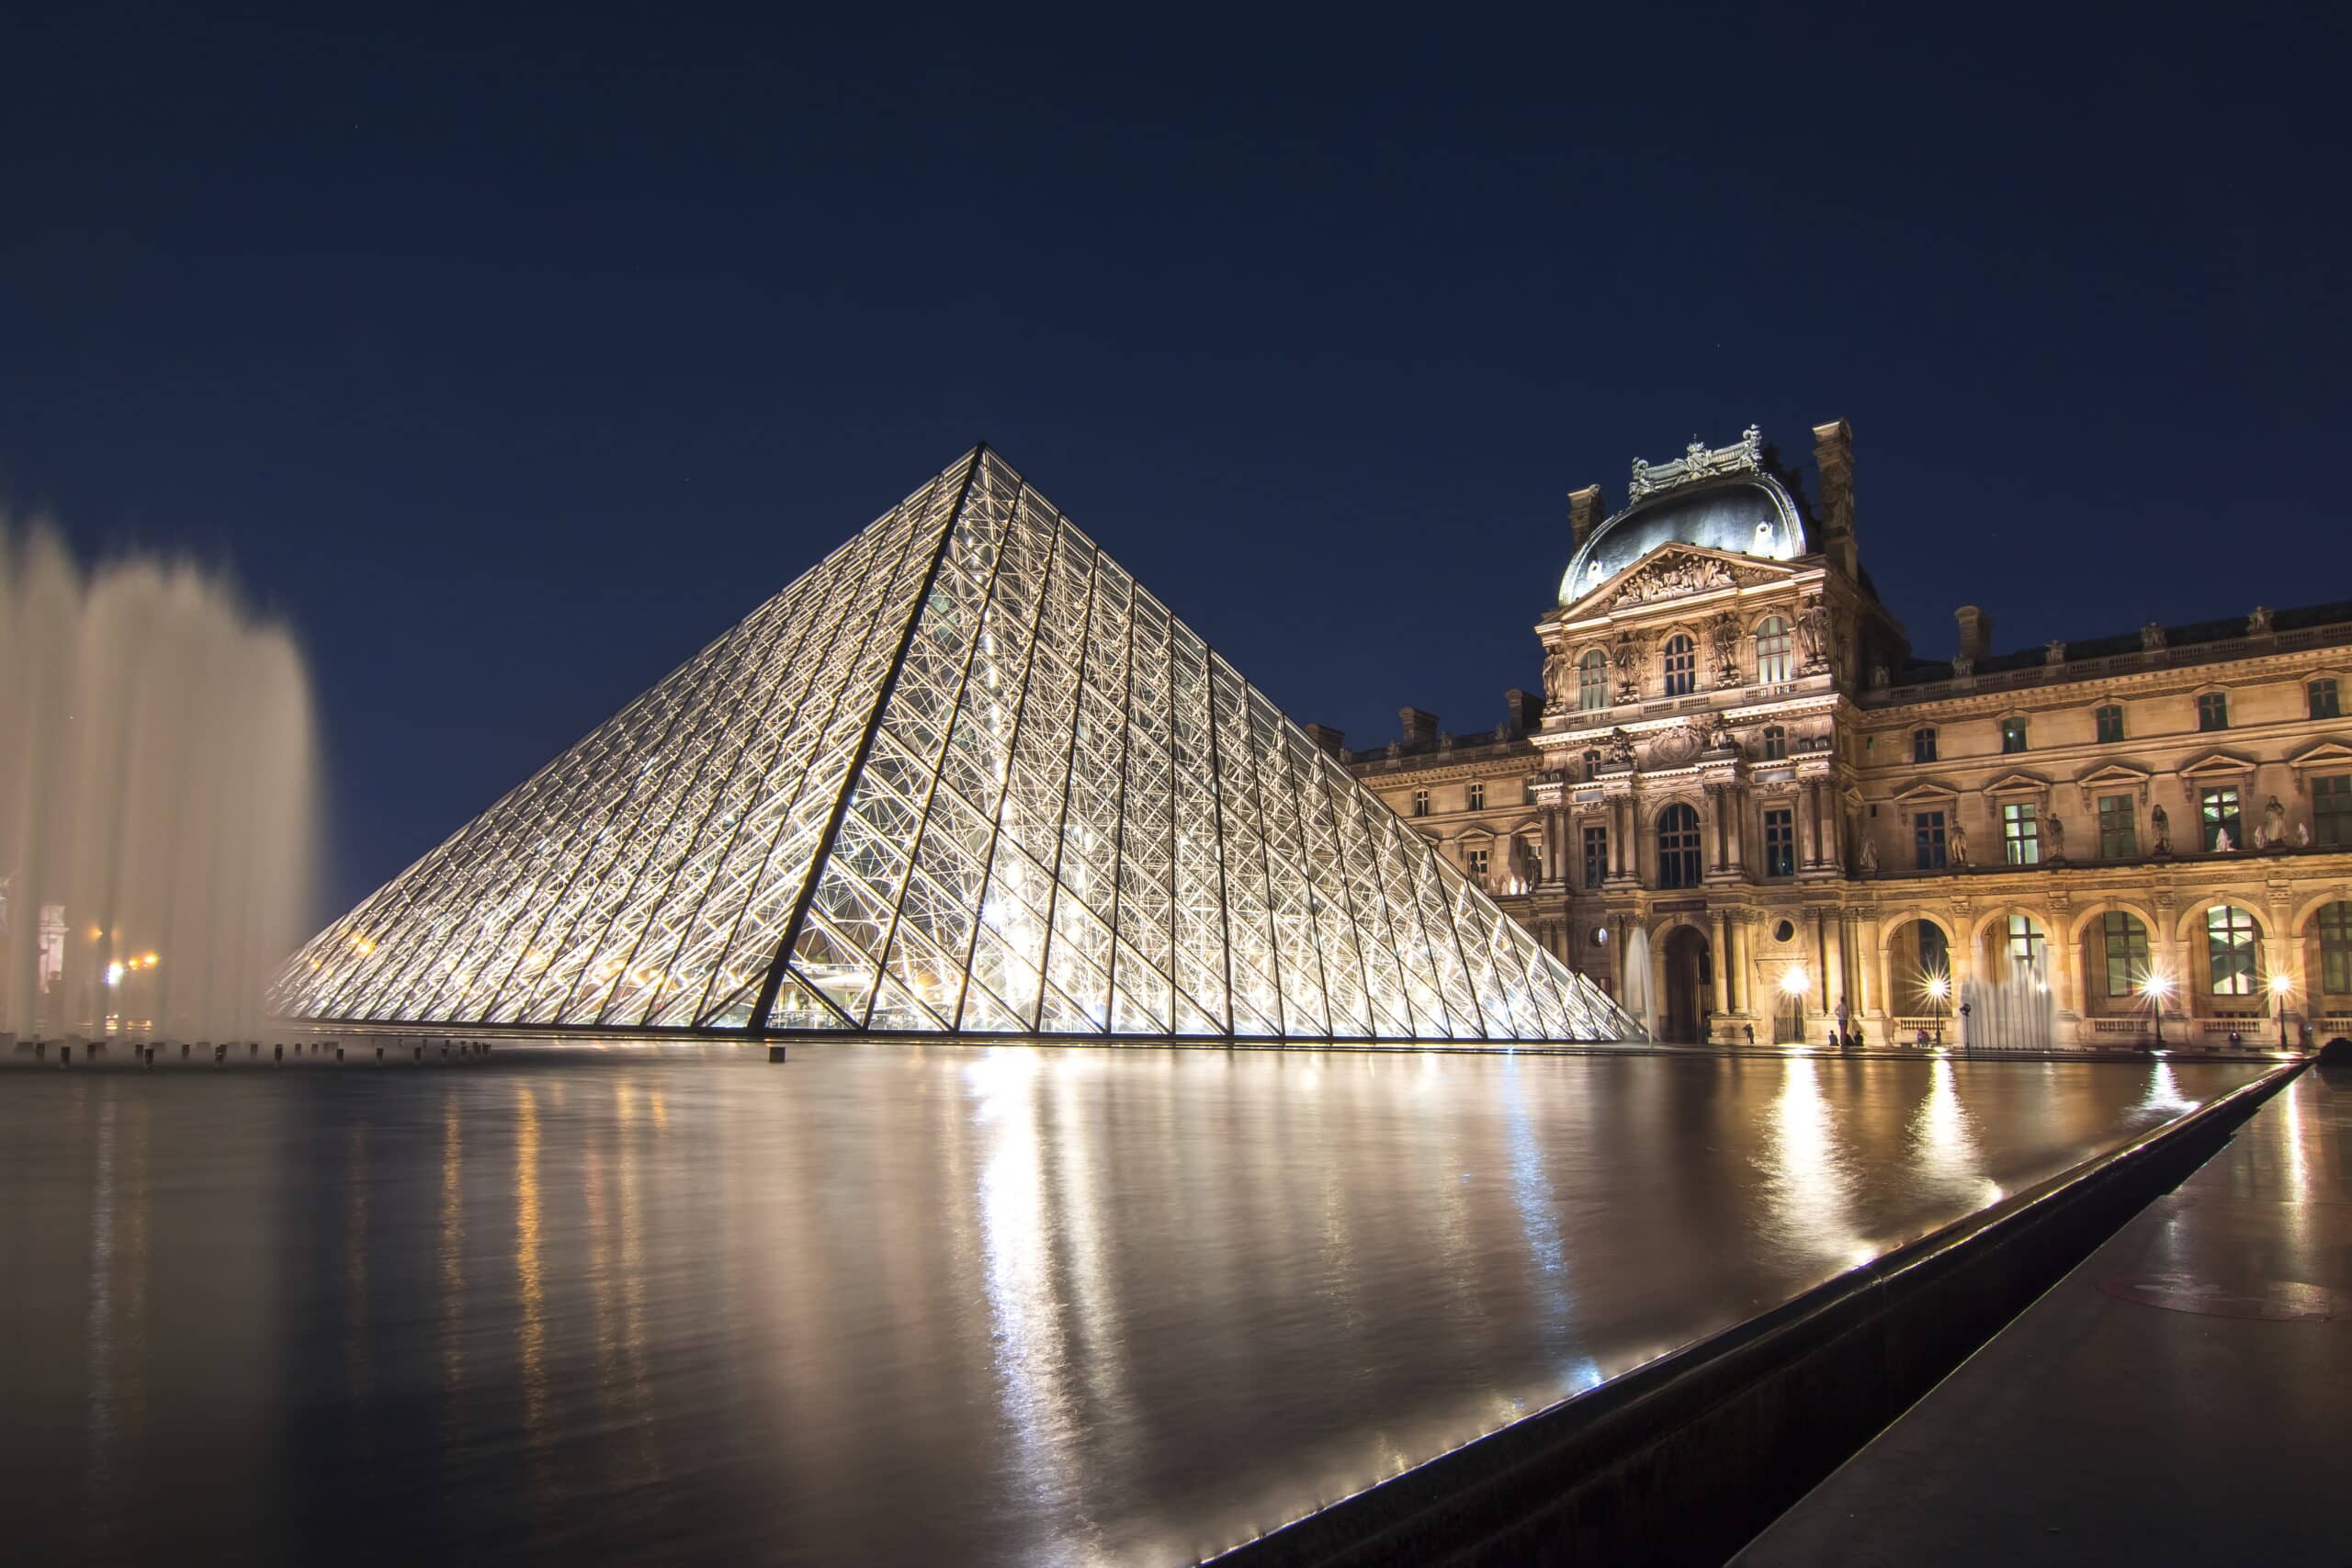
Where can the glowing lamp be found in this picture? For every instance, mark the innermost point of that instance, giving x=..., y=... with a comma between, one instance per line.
x=1792, y=984
x=2281, y=985
x=1938, y=987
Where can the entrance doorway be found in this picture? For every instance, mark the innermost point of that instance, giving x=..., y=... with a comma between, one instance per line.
x=1689, y=980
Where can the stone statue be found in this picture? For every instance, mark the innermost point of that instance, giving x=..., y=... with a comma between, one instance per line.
x=2258, y=624
x=2221, y=844
x=1878, y=678
x=1627, y=654
x=1621, y=748
x=1813, y=634
x=1720, y=738
x=1963, y=664
x=2151, y=636
x=2053, y=652
x=1867, y=859
x=1723, y=632
x=2274, y=824
x=1956, y=846
x=1559, y=679
x=2053, y=836
x=2162, y=827
x=2302, y=835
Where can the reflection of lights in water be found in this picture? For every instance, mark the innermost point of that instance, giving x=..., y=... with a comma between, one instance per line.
x=531, y=1290
x=1942, y=1140
x=2163, y=1093
x=1810, y=1190
x=1531, y=1195
x=453, y=1245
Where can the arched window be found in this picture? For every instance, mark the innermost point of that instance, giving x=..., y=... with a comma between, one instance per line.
x=1772, y=651
x=2124, y=944
x=1677, y=847
x=1592, y=680
x=1681, y=666
x=2336, y=948
x=2025, y=947
x=2232, y=938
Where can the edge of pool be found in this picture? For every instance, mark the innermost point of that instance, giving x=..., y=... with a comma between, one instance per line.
x=1685, y=1458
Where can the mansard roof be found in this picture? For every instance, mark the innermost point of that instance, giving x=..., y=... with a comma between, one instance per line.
x=1748, y=513
x=2200, y=641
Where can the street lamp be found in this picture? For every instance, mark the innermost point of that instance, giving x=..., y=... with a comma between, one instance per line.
x=2279, y=986
x=2157, y=987
x=1938, y=991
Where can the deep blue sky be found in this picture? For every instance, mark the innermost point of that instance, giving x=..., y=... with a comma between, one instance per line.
x=511, y=359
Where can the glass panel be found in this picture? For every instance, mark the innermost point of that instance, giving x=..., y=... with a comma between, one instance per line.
x=2231, y=935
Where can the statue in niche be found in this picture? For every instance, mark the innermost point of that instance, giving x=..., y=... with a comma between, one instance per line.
x=1627, y=654
x=2274, y=825
x=1956, y=845
x=1867, y=859
x=2161, y=826
x=2258, y=624
x=2151, y=636
x=1813, y=634
x=1621, y=748
x=1559, y=678
x=1723, y=633
x=2054, y=835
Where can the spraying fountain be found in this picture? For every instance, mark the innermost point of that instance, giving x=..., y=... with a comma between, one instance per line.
x=2019, y=1014
x=156, y=786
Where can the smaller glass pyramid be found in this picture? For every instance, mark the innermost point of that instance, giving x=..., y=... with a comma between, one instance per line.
x=965, y=776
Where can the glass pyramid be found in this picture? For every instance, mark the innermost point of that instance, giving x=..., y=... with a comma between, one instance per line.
x=964, y=776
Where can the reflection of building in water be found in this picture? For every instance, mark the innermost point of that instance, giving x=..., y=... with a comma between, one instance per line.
x=1734, y=751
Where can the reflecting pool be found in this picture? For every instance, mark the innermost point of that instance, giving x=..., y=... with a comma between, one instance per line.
x=898, y=1304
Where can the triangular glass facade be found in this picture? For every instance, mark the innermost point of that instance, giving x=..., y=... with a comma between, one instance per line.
x=965, y=776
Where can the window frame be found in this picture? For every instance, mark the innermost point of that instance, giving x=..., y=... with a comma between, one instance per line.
x=1592, y=680
x=1679, y=862
x=1596, y=855
x=2213, y=711
x=2210, y=822
x=1679, y=662
x=1776, y=743
x=2317, y=706
x=2015, y=736
x=2238, y=936
x=2020, y=833
x=2108, y=720
x=1474, y=796
x=1775, y=663
x=1780, y=842
x=1420, y=803
x=1476, y=859
x=1931, y=840
x=2134, y=933
x=1923, y=744
x=2114, y=842
x=2334, y=923
x=2332, y=811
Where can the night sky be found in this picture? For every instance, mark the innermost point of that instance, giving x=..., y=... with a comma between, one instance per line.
x=512, y=358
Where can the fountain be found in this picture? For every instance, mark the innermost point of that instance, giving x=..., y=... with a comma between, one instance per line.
x=2019, y=1014
x=156, y=781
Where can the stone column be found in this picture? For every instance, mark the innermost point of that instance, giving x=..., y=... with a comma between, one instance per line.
x=1807, y=853
x=1721, y=955
x=1833, y=929
x=1863, y=959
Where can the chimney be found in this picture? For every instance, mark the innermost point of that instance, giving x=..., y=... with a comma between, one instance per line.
x=1330, y=739
x=1421, y=728
x=1976, y=631
x=1525, y=710
x=1833, y=454
x=1584, y=510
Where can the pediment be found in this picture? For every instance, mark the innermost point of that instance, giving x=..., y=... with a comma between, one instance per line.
x=2327, y=754
x=2116, y=773
x=2215, y=765
x=1676, y=571
x=2018, y=784
x=1926, y=789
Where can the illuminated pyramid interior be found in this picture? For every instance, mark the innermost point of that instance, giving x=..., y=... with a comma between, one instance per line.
x=965, y=776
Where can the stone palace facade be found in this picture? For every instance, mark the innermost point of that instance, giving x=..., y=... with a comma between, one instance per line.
x=1738, y=777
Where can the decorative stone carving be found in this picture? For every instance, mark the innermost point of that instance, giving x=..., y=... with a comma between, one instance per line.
x=2053, y=652
x=1722, y=635
x=1669, y=577
x=1962, y=665
x=1878, y=678
x=1867, y=859
x=2273, y=831
x=1672, y=748
x=1699, y=461
x=1621, y=748
x=2054, y=837
x=2161, y=826
x=2258, y=624
x=2302, y=835
x=1813, y=634
x=2151, y=636
x=1956, y=844
x=1627, y=654
x=1720, y=738
x=1559, y=678
x=2221, y=844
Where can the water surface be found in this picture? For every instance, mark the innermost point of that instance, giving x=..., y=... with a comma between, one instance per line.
x=896, y=1304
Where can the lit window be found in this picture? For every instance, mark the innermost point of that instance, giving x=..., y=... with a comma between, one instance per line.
x=1677, y=847
x=2026, y=947
x=1776, y=742
x=2336, y=948
x=1592, y=680
x=2119, y=835
x=1928, y=840
x=1780, y=843
x=1923, y=744
x=1477, y=794
x=1420, y=803
x=2213, y=711
x=2020, y=833
x=2125, y=941
x=2231, y=938
x=2217, y=811
x=1474, y=863
x=2110, y=724
x=2012, y=735
x=1681, y=666
x=1772, y=651
x=1596, y=856
x=2332, y=810
x=2322, y=696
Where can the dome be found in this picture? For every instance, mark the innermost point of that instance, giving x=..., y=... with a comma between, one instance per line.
x=1749, y=515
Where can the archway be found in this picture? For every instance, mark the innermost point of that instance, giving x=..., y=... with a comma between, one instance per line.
x=1689, y=975
x=1921, y=993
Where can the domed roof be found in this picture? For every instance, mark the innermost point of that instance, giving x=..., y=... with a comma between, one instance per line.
x=1744, y=514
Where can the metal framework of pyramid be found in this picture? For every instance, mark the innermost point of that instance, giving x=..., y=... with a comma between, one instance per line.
x=964, y=776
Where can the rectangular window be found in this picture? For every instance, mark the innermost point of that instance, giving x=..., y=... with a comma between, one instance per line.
x=2127, y=952
x=1474, y=863
x=1923, y=744
x=1420, y=803
x=2336, y=948
x=2110, y=724
x=1596, y=856
x=2230, y=938
x=2119, y=837
x=2213, y=711
x=2012, y=735
x=1928, y=840
x=1527, y=792
x=1780, y=843
x=2324, y=702
x=2020, y=833
x=1477, y=794
x=2332, y=811
x=2217, y=811
x=2028, y=950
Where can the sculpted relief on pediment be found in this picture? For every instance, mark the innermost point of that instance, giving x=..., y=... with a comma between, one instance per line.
x=1673, y=575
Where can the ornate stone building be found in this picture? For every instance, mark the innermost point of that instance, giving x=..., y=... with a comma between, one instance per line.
x=1739, y=779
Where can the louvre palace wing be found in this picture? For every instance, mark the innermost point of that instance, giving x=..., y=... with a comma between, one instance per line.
x=965, y=776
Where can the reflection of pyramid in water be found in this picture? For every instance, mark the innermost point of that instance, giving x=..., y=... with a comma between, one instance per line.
x=965, y=775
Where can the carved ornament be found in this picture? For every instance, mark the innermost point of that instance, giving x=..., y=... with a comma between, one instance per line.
x=1699, y=461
